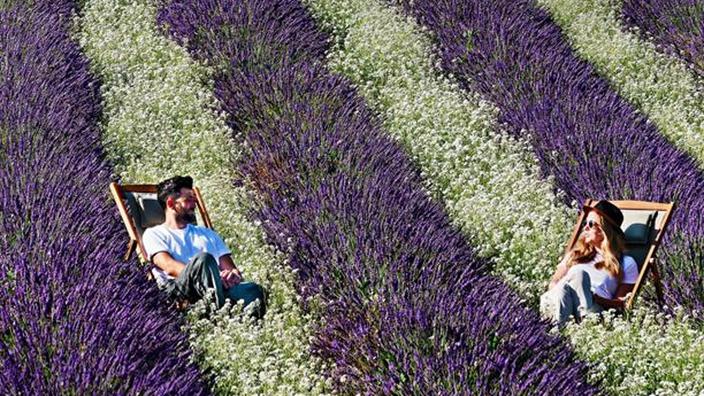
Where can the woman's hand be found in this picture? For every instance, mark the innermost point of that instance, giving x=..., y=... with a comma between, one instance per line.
x=560, y=272
x=617, y=303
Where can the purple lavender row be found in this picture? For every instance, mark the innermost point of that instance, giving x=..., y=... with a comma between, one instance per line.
x=677, y=26
x=593, y=142
x=406, y=307
x=74, y=318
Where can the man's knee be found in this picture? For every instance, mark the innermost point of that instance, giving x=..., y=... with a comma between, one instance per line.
x=203, y=260
x=201, y=267
x=204, y=257
x=251, y=293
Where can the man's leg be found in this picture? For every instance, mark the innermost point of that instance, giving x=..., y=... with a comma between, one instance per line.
x=201, y=274
x=249, y=292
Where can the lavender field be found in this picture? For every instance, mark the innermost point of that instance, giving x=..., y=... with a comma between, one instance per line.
x=401, y=176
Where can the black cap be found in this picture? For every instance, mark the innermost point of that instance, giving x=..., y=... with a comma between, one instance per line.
x=608, y=211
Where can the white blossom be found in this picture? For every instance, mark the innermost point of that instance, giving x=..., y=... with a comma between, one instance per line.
x=489, y=182
x=662, y=87
x=161, y=119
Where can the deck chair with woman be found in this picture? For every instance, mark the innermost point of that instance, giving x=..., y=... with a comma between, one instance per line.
x=607, y=259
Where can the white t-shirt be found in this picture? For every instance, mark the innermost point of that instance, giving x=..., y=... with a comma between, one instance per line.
x=182, y=244
x=603, y=283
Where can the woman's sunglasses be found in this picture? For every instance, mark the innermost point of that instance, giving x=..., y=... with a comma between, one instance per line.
x=590, y=223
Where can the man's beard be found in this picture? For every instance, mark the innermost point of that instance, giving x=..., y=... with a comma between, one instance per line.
x=187, y=217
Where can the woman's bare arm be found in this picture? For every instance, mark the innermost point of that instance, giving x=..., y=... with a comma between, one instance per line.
x=560, y=272
x=619, y=299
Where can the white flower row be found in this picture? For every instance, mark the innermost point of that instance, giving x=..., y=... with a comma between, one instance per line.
x=485, y=180
x=161, y=119
x=648, y=354
x=661, y=86
x=489, y=182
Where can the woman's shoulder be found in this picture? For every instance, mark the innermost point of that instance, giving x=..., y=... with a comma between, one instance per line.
x=628, y=261
x=630, y=269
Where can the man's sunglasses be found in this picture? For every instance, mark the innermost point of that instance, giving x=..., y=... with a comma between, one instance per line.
x=590, y=223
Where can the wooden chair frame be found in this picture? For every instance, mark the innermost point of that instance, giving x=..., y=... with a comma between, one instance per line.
x=649, y=264
x=118, y=193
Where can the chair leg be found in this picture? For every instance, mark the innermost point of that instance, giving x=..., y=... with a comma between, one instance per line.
x=655, y=274
x=130, y=249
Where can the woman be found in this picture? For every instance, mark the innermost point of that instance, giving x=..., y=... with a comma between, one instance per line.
x=595, y=274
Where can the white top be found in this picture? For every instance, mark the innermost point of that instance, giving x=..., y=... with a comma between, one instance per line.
x=603, y=283
x=182, y=244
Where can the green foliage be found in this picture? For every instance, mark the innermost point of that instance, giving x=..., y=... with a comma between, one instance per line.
x=161, y=119
x=490, y=183
x=660, y=86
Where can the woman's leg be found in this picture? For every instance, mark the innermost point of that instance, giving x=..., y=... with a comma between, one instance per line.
x=576, y=298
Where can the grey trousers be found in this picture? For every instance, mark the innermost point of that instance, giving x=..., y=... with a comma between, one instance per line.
x=202, y=274
x=570, y=297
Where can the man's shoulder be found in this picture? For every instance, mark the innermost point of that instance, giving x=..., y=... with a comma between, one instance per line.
x=206, y=232
x=159, y=229
x=202, y=229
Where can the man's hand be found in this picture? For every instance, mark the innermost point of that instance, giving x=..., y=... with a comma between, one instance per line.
x=230, y=277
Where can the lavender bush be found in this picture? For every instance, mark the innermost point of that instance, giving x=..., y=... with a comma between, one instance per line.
x=592, y=141
x=660, y=86
x=489, y=182
x=74, y=318
x=159, y=106
x=405, y=305
x=675, y=25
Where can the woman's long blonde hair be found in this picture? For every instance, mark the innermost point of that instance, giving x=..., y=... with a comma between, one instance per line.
x=612, y=247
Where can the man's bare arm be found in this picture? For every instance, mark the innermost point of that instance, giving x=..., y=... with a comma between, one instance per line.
x=168, y=264
x=229, y=273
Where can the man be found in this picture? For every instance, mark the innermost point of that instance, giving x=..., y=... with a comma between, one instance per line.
x=191, y=259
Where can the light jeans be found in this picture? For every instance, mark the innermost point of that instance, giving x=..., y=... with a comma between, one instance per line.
x=572, y=296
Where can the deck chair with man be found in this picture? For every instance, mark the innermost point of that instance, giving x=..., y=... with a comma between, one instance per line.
x=187, y=260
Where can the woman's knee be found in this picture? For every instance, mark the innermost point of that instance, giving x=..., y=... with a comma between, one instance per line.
x=579, y=279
